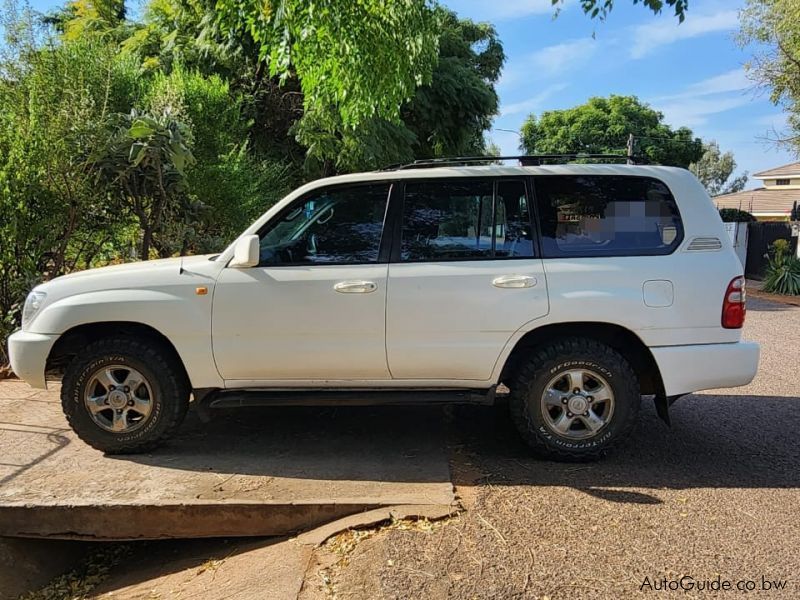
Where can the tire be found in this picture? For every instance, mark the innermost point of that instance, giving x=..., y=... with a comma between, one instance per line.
x=145, y=416
x=542, y=400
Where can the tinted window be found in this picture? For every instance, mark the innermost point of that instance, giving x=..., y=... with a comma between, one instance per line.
x=607, y=216
x=452, y=220
x=342, y=225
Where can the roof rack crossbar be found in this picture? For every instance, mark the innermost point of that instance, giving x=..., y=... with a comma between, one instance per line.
x=528, y=160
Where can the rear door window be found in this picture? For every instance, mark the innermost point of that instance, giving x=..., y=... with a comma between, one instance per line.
x=606, y=215
x=465, y=220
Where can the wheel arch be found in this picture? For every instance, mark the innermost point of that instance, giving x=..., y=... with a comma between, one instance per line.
x=621, y=339
x=74, y=339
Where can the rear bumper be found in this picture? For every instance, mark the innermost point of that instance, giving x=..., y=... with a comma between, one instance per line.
x=28, y=353
x=686, y=369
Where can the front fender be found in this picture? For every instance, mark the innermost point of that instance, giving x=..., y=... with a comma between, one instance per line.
x=178, y=313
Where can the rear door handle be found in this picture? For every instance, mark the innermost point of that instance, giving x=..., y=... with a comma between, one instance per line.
x=514, y=281
x=355, y=287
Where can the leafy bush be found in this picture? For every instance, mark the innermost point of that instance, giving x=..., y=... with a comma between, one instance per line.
x=783, y=271
x=734, y=215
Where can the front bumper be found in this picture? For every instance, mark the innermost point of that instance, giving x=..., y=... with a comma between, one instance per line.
x=28, y=353
x=687, y=369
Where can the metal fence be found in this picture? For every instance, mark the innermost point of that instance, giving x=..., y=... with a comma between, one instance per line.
x=760, y=237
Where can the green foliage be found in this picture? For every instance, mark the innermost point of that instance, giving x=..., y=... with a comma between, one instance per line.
x=715, y=169
x=362, y=58
x=171, y=132
x=771, y=28
x=783, y=271
x=143, y=167
x=601, y=8
x=602, y=125
x=54, y=101
x=734, y=215
x=82, y=18
x=447, y=117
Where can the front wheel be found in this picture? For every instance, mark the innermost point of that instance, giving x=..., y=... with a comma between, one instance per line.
x=574, y=399
x=124, y=395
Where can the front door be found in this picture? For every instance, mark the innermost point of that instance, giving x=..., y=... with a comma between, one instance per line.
x=464, y=277
x=313, y=309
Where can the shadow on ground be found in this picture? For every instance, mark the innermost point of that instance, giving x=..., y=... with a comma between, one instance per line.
x=715, y=441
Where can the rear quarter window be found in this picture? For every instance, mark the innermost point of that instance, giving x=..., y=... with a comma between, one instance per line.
x=606, y=215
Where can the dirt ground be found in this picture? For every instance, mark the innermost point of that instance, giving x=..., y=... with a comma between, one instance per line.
x=712, y=499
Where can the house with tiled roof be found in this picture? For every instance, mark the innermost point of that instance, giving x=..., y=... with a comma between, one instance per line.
x=773, y=201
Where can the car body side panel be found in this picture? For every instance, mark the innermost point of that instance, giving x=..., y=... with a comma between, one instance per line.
x=163, y=297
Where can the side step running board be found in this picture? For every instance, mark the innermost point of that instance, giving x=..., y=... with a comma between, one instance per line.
x=366, y=397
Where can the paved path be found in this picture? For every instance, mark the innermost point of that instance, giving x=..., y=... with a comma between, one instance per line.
x=716, y=495
x=249, y=472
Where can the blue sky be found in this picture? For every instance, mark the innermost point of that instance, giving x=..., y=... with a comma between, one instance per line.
x=692, y=72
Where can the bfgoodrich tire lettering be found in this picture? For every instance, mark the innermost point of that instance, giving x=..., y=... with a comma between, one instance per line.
x=165, y=380
x=541, y=387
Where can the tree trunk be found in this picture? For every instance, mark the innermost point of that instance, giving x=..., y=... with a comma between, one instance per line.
x=147, y=238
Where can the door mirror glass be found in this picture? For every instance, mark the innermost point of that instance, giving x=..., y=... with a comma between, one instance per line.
x=245, y=253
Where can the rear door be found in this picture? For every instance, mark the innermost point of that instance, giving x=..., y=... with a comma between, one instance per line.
x=464, y=276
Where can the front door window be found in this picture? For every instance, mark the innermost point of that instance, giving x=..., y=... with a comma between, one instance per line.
x=336, y=226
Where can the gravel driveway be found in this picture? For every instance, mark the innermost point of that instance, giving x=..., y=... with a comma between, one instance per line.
x=714, y=501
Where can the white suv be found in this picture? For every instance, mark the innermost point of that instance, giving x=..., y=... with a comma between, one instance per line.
x=573, y=289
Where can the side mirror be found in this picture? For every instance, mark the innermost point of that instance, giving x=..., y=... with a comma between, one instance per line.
x=246, y=252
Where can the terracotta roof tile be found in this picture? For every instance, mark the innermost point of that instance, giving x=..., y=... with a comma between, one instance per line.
x=760, y=201
x=790, y=169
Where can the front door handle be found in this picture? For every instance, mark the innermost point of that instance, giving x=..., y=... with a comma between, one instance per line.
x=514, y=281
x=355, y=287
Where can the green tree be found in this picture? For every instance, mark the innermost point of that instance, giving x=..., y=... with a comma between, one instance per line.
x=450, y=115
x=603, y=125
x=446, y=117
x=601, y=8
x=363, y=58
x=772, y=29
x=715, y=169
x=143, y=167
x=54, y=101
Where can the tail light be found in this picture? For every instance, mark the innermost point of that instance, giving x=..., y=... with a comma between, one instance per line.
x=733, y=306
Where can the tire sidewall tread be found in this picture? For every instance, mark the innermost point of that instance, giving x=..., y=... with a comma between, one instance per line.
x=533, y=374
x=166, y=379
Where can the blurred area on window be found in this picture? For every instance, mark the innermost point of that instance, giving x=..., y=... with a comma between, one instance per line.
x=606, y=216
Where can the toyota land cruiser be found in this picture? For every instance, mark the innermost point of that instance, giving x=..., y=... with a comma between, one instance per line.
x=574, y=289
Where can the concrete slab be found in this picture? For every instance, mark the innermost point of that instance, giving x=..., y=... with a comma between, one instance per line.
x=211, y=570
x=251, y=472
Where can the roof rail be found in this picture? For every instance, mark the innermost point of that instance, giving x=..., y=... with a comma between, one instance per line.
x=529, y=160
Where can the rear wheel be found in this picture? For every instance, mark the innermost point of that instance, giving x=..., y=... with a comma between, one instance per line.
x=574, y=399
x=124, y=395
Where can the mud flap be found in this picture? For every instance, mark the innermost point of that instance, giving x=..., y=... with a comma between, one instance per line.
x=202, y=398
x=663, y=403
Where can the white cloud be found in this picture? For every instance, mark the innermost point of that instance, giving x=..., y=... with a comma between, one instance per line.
x=777, y=121
x=650, y=36
x=532, y=104
x=694, y=104
x=548, y=61
x=696, y=111
x=507, y=140
x=731, y=81
x=561, y=57
x=481, y=10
